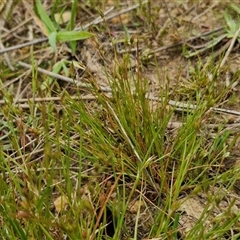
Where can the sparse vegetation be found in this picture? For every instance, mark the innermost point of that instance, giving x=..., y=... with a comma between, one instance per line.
x=128, y=128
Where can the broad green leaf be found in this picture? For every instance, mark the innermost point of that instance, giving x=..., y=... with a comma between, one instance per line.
x=76, y=64
x=71, y=23
x=52, y=38
x=211, y=44
x=65, y=68
x=73, y=46
x=56, y=69
x=231, y=23
x=40, y=11
x=69, y=36
x=235, y=7
x=215, y=41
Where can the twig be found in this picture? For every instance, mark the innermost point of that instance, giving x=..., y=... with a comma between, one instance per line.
x=125, y=10
x=15, y=29
x=187, y=40
x=173, y=23
x=188, y=106
x=6, y=57
x=204, y=12
x=234, y=127
x=48, y=99
x=63, y=78
x=160, y=49
x=23, y=45
x=113, y=15
x=230, y=47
